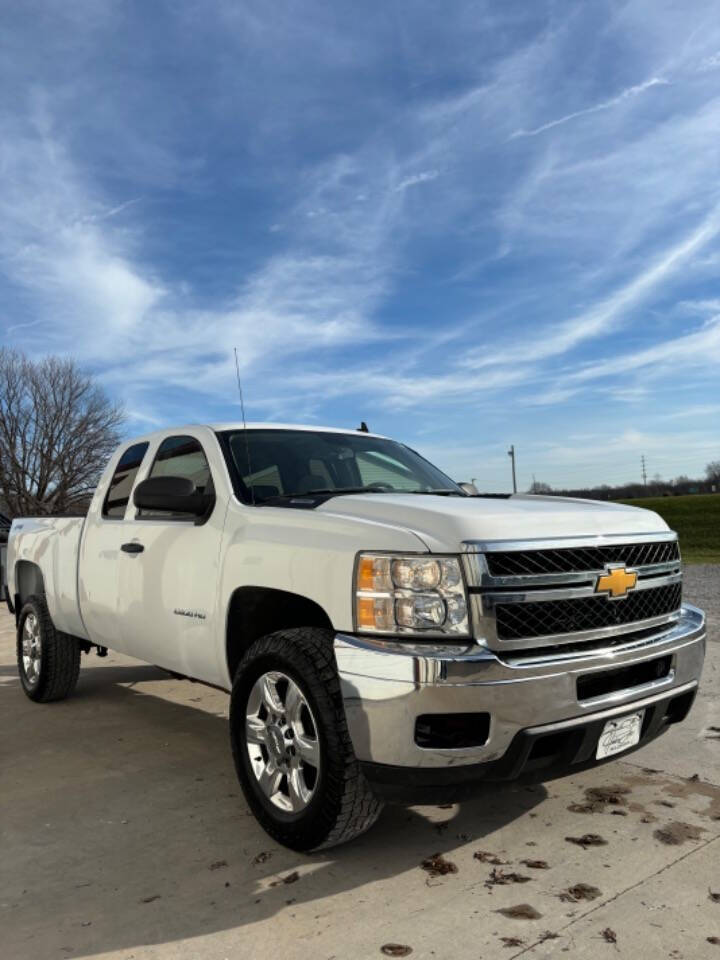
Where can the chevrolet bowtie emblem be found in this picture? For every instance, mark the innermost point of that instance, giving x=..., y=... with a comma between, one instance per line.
x=616, y=582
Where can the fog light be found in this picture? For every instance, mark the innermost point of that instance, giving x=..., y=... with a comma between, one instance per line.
x=452, y=731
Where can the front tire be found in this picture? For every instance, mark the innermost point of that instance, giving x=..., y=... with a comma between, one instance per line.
x=48, y=661
x=291, y=745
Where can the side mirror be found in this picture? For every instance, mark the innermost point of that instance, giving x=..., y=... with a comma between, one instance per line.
x=176, y=494
x=470, y=489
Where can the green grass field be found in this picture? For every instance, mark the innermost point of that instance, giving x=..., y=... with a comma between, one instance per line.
x=696, y=519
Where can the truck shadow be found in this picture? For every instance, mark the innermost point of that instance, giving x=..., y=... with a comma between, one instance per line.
x=126, y=827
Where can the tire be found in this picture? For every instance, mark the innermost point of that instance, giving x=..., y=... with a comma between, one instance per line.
x=48, y=661
x=324, y=799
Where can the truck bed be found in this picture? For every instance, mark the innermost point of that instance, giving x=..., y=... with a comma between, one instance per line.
x=52, y=543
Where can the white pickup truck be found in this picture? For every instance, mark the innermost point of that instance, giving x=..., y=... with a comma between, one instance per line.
x=382, y=633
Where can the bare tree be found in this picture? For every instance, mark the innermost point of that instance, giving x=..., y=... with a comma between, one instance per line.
x=57, y=430
x=712, y=471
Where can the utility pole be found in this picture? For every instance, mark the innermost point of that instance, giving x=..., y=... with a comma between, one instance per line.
x=644, y=469
x=511, y=454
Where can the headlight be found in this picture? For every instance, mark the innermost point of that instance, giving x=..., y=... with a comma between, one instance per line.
x=410, y=595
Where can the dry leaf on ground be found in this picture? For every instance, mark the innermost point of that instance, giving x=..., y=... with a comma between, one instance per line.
x=437, y=866
x=521, y=911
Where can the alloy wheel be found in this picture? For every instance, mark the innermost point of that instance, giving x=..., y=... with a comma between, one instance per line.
x=282, y=741
x=31, y=649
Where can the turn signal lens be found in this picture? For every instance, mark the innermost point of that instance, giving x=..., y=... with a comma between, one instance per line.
x=375, y=613
x=416, y=594
x=373, y=573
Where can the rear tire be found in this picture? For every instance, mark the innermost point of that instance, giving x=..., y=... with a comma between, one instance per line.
x=291, y=747
x=48, y=661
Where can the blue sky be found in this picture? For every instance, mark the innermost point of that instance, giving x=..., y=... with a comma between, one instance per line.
x=470, y=224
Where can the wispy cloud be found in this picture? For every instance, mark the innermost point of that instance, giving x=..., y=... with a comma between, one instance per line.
x=700, y=348
x=416, y=178
x=709, y=63
x=22, y=326
x=603, y=318
x=624, y=95
x=113, y=211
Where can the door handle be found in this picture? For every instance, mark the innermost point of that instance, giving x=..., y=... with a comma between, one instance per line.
x=132, y=547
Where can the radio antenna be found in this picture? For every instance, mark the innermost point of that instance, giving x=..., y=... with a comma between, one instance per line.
x=245, y=429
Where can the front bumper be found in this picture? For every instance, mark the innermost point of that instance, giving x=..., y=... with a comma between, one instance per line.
x=386, y=686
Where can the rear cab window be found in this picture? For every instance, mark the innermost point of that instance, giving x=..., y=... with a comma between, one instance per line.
x=123, y=479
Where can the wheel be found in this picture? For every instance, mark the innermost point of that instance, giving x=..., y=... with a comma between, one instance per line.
x=48, y=661
x=291, y=745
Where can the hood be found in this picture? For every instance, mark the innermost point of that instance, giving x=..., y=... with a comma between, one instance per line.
x=444, y=523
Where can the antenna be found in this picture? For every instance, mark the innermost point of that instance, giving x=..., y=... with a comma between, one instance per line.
x=245, y=429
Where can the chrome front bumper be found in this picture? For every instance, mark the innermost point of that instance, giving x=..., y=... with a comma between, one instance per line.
x=387, y=685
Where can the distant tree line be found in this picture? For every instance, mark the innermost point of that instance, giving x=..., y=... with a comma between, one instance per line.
x=655, y=487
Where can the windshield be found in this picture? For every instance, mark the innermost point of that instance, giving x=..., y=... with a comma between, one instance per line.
x=286, y=463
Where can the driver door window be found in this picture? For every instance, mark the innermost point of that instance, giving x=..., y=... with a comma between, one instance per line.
x=180, y=457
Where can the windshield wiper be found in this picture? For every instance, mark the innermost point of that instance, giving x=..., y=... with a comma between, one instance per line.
x=322, y=492
x=334, y=490
x=340, y=491
x=440, y=492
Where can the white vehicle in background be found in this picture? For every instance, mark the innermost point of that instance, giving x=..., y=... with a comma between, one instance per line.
x=382, y=633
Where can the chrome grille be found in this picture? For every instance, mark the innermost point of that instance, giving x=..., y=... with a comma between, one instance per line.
x=516, y=620
x=532, y=594
x=513, y=563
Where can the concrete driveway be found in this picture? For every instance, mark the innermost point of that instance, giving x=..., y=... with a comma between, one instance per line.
x=124, y=834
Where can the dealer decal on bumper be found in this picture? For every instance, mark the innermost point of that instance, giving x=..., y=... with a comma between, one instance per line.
x=619, y=735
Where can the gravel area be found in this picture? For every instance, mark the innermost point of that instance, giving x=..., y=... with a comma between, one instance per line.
x=702, y=587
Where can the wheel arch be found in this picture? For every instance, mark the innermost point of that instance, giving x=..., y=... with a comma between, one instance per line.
x=28, y=582
x=254, y=612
